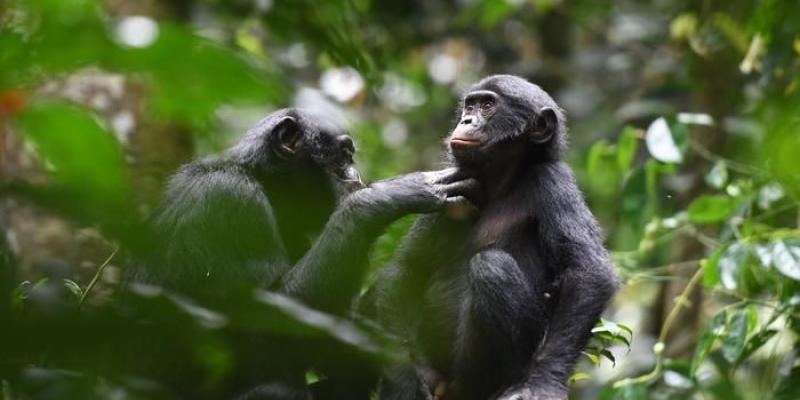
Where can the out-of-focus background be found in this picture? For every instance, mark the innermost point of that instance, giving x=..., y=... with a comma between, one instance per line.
x=684, y=123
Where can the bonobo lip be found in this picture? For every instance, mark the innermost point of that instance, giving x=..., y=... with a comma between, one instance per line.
x=350, y=178
x=461, y=142
x=351, y=185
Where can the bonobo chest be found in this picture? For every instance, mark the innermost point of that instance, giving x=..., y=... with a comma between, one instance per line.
x=497, y=223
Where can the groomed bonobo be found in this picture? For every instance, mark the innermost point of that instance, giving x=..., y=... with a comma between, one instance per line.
x=500, y=305
x=275, y=212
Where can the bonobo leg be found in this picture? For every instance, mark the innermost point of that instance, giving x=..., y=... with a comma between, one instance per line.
x=501, y=321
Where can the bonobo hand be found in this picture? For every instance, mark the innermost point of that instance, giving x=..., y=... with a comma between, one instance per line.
x=419, y=192
x=534, y=392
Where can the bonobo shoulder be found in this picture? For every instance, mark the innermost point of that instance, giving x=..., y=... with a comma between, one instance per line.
x=216, y=183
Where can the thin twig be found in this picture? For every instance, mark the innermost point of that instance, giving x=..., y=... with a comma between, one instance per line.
x=97, y=276
x=680, y=301
x=733, y=165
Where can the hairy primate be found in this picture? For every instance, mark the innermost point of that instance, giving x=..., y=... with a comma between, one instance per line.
x=500, y=306
x=276, y=212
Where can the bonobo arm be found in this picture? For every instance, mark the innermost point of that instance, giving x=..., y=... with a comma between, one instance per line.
x=571, y=241
x=329, y=276
x=399, y=289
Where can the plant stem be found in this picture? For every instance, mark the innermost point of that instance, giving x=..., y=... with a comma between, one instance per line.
x=97, y=276
x=680, y=301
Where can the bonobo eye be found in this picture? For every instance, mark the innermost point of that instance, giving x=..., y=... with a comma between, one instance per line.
x=469, y=108
x=487, y=105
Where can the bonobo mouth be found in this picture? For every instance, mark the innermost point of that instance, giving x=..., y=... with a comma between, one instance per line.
x=463, y=143
x=350, y=179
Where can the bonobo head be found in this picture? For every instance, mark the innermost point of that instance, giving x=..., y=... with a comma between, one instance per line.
x=305, y=164
x=505, y=118
x=301, y=147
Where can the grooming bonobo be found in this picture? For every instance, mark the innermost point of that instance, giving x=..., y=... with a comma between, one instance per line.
x=500, y=305
x=276, y=212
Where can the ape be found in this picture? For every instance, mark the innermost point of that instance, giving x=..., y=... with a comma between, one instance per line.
x=500, y=305
x=249, y=219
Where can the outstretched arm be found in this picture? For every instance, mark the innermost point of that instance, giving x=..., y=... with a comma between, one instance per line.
x=329, y=276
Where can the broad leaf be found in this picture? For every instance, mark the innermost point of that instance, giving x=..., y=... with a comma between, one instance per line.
x=706, y=342
x=718, y=176
x=661, y=144
x=731, y=263
x=711, y=268
x=626, y=149
x=786, y=257
x=709, y=209
x=733, y=343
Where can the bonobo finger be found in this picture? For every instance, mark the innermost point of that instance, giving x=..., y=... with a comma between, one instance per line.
x=449, y=175
x=469, y=188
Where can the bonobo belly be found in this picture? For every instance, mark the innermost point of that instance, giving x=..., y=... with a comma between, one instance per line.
x=483, y=320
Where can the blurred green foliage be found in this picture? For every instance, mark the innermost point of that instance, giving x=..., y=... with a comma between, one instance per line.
x=685, y=127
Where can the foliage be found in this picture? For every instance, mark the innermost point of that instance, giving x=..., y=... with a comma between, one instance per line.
x=685, y=132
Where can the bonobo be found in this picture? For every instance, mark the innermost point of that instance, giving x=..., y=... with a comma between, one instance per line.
x=500, y=306
x=276, y=212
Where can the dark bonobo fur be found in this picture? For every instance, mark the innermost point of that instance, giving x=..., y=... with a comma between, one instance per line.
x=278, y=211
x=500, y=305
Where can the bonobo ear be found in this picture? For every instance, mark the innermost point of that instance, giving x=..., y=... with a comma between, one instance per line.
x=545, y=126
x=287, y=137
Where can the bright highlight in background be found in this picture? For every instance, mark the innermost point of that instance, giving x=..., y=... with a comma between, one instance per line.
x=137, y=31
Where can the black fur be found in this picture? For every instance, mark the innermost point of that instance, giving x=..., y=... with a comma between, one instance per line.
x=274, y=213
x=501, y=305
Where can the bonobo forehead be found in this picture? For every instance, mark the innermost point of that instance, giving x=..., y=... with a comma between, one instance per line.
x=312, y=123
x=517, y=90
x=317, y=123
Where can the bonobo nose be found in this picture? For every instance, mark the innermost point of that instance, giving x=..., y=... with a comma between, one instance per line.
x=466, y=121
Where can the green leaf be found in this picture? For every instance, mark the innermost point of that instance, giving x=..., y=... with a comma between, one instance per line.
x=599, y=150
x=786, y=257
x=609, y=355
x=710, y=208
x=711, y=268
x=635, y=206
x=754, y=343
x=73, y=288
x=625, y=328
x=718, y=176
x=613, y=332
x=84, y=157
x=661, y=144
x=312, y=376
x=579, y=376
x=733, y=343
x=602, y=167
x=706, y=342
x=752, y=318
x=626, y=149
x=731, y=263
x=769, y=194
x=592, y=357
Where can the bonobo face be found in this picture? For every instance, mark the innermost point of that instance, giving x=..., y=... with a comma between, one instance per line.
x=333, y=150
x=308, y=142
x=505, y=117
x=478, y=108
